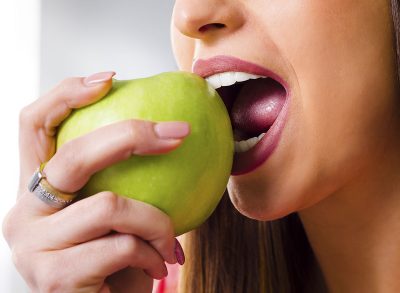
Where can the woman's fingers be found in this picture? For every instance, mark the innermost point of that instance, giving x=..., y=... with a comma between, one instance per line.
x=100, y=214
x=100, y=235
x=84, y=267
x=75, y=162
x=104, y=256
x=72, y=93
x=39, y=120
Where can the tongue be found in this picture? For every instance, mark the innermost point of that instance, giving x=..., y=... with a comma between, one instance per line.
x=257, y=106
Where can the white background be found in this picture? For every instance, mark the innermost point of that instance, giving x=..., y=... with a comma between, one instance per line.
x=45, y=41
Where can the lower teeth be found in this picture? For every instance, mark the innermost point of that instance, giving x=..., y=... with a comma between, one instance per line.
x=244, y=145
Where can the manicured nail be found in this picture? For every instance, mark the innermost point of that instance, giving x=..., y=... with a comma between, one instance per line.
x=180, y=256
x=99, y=78
x=166, y=130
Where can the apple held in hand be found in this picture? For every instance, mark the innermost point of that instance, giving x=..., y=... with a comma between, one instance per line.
x=186, y=183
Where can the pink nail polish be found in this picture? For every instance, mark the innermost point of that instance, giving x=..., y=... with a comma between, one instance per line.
x=180, y=256
x=99, y=77
x=166, y=130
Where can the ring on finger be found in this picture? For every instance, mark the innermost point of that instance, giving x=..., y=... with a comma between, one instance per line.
x=39, y=186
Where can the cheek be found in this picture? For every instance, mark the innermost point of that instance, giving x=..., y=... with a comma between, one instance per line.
x=344, y=64
x=343, y=90
x=183, y=48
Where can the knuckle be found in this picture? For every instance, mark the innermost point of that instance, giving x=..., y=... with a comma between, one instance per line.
x=50, y=274
x=63, y=88
x=26, y=116
x=137, y=128
x=163, y=234
x=23, y=262
x=107, y=205
x=69, y=155
x=132, y=129
x=17, y=257
x=69, y=88
x=126, y=245
x=49, y=280
x=67, y=83
x=139, y=135
x=49, y=286
x=166, y=228
x=8, y=225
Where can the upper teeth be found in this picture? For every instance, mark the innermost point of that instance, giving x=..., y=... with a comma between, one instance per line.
x=228, y=78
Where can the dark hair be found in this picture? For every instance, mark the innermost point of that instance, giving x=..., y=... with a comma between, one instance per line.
x=230, y=253
x=396, y=32
x=275, y=256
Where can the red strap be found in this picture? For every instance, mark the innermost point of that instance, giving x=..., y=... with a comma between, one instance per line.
x=161, y=286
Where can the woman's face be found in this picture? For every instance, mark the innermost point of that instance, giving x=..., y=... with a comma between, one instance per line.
x=336, y=61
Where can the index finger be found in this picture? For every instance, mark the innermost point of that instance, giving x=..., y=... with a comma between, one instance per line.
x=39, y=120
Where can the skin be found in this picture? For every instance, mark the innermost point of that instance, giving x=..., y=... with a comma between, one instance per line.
x=58, y=250
x=338, y=159
x=337, y=162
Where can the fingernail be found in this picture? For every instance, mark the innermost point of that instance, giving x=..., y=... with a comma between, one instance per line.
x=99, y=78
x=180, y=256
x=167, y=130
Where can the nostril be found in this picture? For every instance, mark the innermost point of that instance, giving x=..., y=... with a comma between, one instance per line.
x=211, y=26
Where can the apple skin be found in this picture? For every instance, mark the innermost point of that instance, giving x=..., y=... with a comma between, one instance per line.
x=188, y=182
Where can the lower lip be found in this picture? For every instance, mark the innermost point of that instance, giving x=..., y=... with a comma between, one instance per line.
x=250, y=160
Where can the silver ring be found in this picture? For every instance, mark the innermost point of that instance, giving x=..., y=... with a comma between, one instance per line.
x=39, y=186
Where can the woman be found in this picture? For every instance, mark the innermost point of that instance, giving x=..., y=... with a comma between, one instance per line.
x=329, y=162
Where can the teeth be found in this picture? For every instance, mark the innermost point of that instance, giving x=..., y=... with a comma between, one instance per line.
x=214, y=81
x=240, y=76
x=229, y=78
x=245, y=145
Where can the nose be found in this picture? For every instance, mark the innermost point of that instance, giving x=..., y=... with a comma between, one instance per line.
x=199, y=18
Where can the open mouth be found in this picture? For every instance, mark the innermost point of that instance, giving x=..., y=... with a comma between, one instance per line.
x=253, y=102
x=257, y=101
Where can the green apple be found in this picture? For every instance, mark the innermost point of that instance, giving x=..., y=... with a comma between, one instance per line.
x=186, y=183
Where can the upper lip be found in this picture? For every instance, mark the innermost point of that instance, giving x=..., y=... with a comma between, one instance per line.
x=222, y=63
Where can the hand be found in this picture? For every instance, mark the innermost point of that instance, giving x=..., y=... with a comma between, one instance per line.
x=101, y=242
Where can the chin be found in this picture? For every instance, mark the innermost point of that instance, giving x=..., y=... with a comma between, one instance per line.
x=258, y=203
